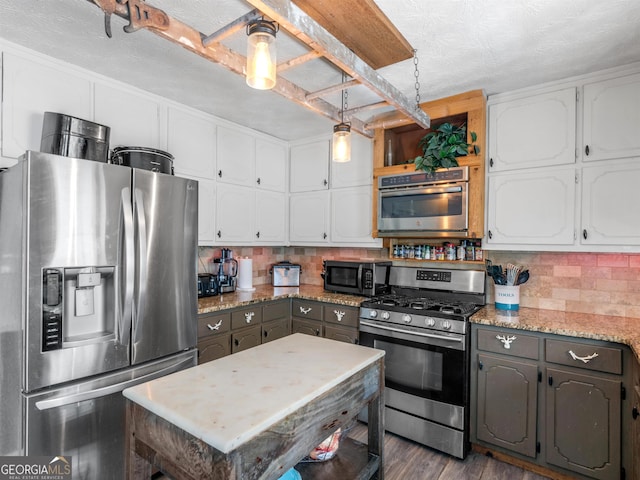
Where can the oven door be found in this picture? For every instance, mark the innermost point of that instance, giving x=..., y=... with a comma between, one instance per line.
x=406, y=211
x=421, y=364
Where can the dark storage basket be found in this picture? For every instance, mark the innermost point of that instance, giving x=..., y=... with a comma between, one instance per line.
x=74, y=137
x=145, y=158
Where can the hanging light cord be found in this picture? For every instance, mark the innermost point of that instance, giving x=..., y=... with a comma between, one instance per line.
x=345, y=97
x=416, y=74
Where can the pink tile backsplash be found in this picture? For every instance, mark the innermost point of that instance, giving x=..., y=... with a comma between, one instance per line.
x=600, y=283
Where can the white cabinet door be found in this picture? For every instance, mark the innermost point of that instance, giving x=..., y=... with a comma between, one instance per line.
x=351, y=220
x=309, y=166
x=612, y=118
x=359, y=171
x=236, y=157
x=309, y=218
x=536, y=131
x=206, y=209
x=235, y=210
x=611, y=203
x=29, y=90
x=532, y=208
x=271, y=218
x=134, y=118
x=271, y=165
x=191, y=139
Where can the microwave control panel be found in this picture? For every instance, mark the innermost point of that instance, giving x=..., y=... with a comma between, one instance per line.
x=367, y=279
x=454, y=174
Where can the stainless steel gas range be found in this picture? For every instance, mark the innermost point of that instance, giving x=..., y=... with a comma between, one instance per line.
x=422, y=325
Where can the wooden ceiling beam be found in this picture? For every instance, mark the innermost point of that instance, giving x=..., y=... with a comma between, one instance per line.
x=332, y=88
x=299, y=24
x=294, y=62
x=228, y=30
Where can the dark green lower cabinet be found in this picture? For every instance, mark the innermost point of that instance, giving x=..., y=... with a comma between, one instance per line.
x=555, y=401
x=507, y=404
x=274, y=330
x=583, y=423
x=246, y=338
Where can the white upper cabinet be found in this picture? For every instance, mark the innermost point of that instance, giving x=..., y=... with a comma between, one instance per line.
x=611, y=203
x=236, y=156
x=31, y=88
x=134, y=118
x=270, y=218
x=191, y=139
x=358, y=171
x=235, y=214
x=309, y=218
x=534, y=208
x=536, y=131
x=351, y=217
x=309, y=166
x=612, y=118
x=271, y=165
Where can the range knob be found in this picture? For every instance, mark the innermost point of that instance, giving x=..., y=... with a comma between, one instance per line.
x=430, y=322
x=446, y=325
x=386, y=315
x=373, y=313
x=406, y=318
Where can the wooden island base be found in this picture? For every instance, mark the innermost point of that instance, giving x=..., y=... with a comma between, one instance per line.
x=153, y=442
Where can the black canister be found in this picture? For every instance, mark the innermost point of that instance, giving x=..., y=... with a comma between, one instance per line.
x=144, y=158
x=74, y=137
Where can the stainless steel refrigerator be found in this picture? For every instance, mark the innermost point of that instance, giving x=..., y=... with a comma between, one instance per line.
x=97, y=293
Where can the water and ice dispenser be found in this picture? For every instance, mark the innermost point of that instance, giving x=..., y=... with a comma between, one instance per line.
x=77, y=306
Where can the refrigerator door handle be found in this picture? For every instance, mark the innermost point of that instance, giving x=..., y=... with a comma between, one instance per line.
x=115, y=388
x=142, y=260
x=129, y=266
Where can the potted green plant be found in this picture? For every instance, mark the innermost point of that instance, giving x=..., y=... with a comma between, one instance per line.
x=442, y=145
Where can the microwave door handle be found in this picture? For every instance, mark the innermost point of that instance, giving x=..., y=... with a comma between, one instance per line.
x=424, y=191
x=359, y=277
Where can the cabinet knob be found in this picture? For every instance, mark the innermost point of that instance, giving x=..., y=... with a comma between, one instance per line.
x=258, y=180
x=324, y=235
x=305, y=310
x=220, y=173
x=586, y=150
x=317, y=332
x=237, y=342
x=634, y=412
x=490, y=234
x=248, y=316
x=266, y=334
x=584, y=234
x=550, y=380
x=506, y=341
x=216, y=326
x=257, y=234
x=339, y=314
x=219, y=234
x=491, y=162
x=480, y=365
x=324, y=182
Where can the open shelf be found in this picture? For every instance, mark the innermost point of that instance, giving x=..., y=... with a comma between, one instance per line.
x=352, y=461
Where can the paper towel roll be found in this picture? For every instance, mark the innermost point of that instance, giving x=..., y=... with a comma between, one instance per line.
x=245, y=273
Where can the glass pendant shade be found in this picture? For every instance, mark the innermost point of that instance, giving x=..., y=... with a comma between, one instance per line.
x=261, y=55
x=341, y=151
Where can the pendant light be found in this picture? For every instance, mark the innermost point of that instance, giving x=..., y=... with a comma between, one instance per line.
x=341, y=142
x=261, y=54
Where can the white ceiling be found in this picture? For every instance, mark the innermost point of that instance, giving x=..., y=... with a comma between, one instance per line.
x=494, y=45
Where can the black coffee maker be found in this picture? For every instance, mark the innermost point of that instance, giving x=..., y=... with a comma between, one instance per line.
x=225, y=269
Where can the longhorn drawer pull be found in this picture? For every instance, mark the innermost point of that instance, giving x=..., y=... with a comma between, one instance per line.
x=216, y=326
x=305, y=310
x=586, y=359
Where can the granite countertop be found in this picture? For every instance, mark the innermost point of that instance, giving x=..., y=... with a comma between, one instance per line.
x=267, y=292
x=210, y=401
x=623, y=330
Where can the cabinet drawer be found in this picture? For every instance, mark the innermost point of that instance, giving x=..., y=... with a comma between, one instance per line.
x=342, y=315
x=508, y=342
x=589, y=357
x=308, y=327
x=244, y=317
x=213, y=323
x=275, y=310
x=246, y=338
x=306, y=309
x=274, y=330
x=213, y=348
x=341, y=334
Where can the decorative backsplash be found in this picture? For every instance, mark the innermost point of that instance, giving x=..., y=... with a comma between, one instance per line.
x=601, y=283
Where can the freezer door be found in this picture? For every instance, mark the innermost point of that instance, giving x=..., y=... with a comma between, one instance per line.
x=74, y=220
x=165, y=215
x=87, y=419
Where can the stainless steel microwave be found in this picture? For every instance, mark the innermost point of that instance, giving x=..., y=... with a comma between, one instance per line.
x=367, y=278
x=412, y=204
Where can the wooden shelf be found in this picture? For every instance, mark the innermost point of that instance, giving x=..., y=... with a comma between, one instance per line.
x=352, y=460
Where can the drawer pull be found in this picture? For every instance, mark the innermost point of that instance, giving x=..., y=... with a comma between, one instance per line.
x=305, y=310
x=248, y=316
x=216, y=326
x=506, y=341
x=586, y=359
x=339, y=314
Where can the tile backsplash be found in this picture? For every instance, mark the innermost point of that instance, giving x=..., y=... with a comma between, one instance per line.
x=600, y=283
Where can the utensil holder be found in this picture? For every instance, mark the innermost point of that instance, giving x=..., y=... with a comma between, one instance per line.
x=507, y=297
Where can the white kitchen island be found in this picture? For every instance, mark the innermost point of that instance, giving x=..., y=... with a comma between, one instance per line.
x=256, y=413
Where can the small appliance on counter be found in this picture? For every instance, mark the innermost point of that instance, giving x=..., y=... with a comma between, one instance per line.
x=225, y=269
x=74, y=137
x=207, y=285
x=367, y=278
x=285, y=274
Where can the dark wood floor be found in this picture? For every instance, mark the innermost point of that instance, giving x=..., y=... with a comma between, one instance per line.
x=405, y=460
